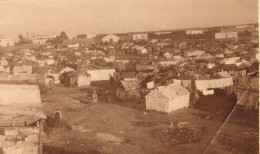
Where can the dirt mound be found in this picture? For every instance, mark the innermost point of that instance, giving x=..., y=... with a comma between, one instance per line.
x=241, y=143
x=183, y=135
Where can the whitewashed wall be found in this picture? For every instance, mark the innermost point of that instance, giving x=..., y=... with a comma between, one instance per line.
x=19, y=95
x=101, y=75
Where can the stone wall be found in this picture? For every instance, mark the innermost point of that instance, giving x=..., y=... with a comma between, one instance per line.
x=19, y=140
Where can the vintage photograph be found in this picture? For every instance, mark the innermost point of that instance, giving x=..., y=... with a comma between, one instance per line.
x=129, y=77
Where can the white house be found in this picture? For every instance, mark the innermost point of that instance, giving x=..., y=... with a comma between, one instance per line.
x=226, y=35
x=167, y=98
x=49, y=61
x=22, y=69
x=244, y=26
x=84, y=80
x=41, y=39
x=76, y=45
x=111, y=38
x=101, y=74
x=66, y=69
x=195, y=53
x=141, y=50
x=19, y=95
x=5, y=42
x=194, y=31
x=137, y=37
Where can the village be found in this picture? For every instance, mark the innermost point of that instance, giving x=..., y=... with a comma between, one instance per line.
x=178, y=91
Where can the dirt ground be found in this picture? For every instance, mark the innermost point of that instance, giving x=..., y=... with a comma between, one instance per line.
x=126, y=127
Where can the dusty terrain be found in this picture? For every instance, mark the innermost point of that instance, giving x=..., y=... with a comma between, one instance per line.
x=125, y=127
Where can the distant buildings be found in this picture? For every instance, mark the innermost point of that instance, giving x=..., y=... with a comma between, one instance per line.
x=194, y=31
x=226, y=35
x=239, y=29
x=81, y=36
x=5, y=42
x=110, y=38
x=137, y=37
x=41, y=39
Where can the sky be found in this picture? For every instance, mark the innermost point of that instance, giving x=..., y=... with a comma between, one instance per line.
x=48, y=17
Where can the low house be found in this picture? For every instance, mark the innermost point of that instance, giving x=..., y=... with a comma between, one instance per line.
x=168, y=63
x=110, y=38
x=4, y=69
x=79, y=41
x=167, y=98
x=110, y=59
x=126, y=76
x=76, y=79
x=41, y=39
x=202, y=85
x=137, y=37
x=196, y=53
x=48, y=73
x=76, y=45
x=6, y=42
x=194, y=31
x=66, y=69
x=167, y=55
x=226, y=35
x=101, y=74
x=143, y=67
x=83, y=79
x=124, y=65
x=49, y=61
x=178, y=57
x=21, y=123
x=22, y=69
x=128, y=90
x=141, y=50
x=229, y=61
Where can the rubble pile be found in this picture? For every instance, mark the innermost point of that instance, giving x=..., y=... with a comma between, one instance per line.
x=177, y=136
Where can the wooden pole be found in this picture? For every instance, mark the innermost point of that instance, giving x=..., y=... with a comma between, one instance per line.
x=40, y=135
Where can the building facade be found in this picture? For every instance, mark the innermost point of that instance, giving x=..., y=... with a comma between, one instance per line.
x=137, y=37
x=110, y=38
x=41, y=39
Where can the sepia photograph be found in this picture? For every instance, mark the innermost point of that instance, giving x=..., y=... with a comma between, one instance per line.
x=129, y=77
